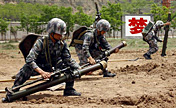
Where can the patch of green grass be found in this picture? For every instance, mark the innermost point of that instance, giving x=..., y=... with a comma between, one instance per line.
x=140, y=44
x=7, y=46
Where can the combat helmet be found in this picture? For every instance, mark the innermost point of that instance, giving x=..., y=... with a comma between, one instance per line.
x=103, y=25
x=158, y=24
x=57, y=26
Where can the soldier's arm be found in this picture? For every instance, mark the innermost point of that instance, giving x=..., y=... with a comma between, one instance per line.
x=104, y=43
x=86, y=43
x=32, y=56
x=167, y=23
x=154, y=35
x=34, y=52
x=43, y=73
x=66, y=57
x=158, y=39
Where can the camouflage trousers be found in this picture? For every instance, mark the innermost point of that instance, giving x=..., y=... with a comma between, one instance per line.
x=26, y=72
x=83, y=59
x=153, y=47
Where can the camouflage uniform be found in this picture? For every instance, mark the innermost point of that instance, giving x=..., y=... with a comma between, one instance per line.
x=151, y=38
x=90, y=46
x=36, y=58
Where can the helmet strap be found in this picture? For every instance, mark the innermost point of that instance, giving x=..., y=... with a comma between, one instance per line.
x=52, y=37
x=98, y=32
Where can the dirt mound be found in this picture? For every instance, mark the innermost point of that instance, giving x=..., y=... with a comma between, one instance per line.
x=160, y=100
x=166, y=100
x=164, y=70
x=135, y=69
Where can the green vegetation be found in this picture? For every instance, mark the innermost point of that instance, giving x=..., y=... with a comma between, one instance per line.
x=113, y=13
x=136, y=6
x=132, y=44
x=3, y=28
x=7, y=46
x=140, y=44
x=34, y=16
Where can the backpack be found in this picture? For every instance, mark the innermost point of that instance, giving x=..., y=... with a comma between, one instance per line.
x=77, y=34
x=147, y=28
x=27, y=43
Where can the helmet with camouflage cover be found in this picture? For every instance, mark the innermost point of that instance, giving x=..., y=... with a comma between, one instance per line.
x=158, y=24
x=103, y=25
x=57, y=26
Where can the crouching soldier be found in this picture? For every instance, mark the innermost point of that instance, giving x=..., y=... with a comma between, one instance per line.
x=150, y=36
x=90, y=44
x=48, y=52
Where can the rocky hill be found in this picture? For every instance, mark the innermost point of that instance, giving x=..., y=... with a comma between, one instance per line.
x=88, y=5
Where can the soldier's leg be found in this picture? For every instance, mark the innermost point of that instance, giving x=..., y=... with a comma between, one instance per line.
x=69, y=90
x=106, y=73
x=81, y=56
x=153, y=47
x=23, y=75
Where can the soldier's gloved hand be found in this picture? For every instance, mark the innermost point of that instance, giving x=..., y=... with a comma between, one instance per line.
x=91, y=60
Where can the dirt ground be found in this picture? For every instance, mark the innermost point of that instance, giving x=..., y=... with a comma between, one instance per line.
x=138, y=84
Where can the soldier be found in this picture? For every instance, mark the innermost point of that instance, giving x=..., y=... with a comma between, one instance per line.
x=151, y=38
x=94, y=44
x=40, y=61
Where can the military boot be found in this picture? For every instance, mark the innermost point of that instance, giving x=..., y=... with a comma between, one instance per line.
x=147, y=56
x=69, y=90
x=106, y=73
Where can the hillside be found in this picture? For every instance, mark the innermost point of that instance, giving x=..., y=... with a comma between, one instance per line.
x=88, y=5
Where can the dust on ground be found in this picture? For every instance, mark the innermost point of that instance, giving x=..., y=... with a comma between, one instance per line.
x=138, y=84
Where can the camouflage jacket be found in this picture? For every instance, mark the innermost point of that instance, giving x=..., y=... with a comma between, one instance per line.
x=151, y=36
x=91, y=40
x=59, y=53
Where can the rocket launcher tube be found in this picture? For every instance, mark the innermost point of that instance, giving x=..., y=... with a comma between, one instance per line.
x=109, y=52
x=42, y=86
x=57, y=72
x=121, y=45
